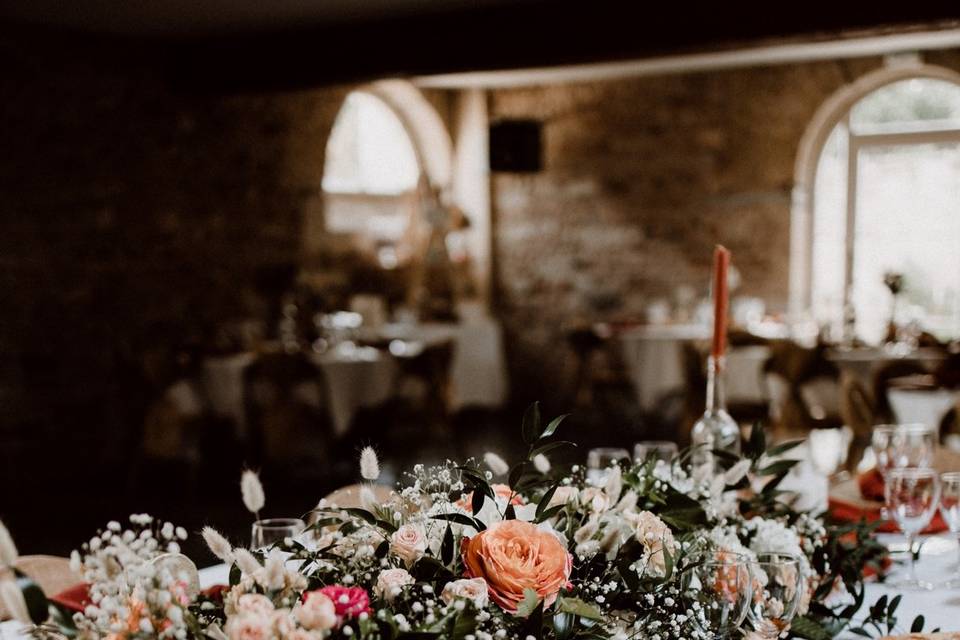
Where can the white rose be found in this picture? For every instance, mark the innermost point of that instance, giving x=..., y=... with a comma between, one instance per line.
x=317, y=611
x=475, y=590
x=391, y=581
x=408, y=543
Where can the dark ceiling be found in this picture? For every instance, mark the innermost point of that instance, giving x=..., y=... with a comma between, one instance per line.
x=245, y=44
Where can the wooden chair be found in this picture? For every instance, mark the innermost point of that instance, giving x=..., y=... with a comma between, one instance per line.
x=857, y=411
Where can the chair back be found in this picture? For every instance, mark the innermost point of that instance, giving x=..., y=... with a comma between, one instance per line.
x=51, y=573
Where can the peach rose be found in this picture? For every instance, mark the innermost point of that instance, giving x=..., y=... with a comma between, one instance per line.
x=472, y=589
x=316, y=612
x=391, y=582
x=513, y=555
x=408, y=543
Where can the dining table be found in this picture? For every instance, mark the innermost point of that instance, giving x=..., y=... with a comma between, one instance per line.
x=937, y=562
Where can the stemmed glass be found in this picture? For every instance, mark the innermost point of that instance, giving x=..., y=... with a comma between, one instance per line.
x=777, y=588
x=599, y=461
x=272, y=531
x=950, y=510
x=898, y=446
x=913, y=496
x=718, y=589
x=656, y=449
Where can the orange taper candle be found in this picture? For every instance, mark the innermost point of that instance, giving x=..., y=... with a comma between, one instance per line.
x=721, y=264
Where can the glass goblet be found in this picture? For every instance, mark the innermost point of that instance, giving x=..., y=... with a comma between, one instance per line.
x=718, y=590
x=898, y=446
x=599, y=461
x=950, y=510
x=274, y=531
x=777, y=588
x=656, y=449
x=912, y=497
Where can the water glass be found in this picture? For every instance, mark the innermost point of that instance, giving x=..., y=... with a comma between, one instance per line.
x=913, y=496
x=274, y=531
x=777, y=588
x=599, y=461
x=950, y=510
x=656, y=449
x=718, y=589
x=898, y=446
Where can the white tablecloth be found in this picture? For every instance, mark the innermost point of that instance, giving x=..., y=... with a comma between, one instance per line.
x=941, y=607
x=653, y=355
x=922, y=406
x=355, y=378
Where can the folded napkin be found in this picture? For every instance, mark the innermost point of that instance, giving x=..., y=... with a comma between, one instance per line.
x=862, y=498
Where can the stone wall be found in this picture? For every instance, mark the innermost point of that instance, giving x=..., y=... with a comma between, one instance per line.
x=641, y=178
x=132, y=214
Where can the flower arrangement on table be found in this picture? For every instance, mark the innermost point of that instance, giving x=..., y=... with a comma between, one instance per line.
x=482, y=551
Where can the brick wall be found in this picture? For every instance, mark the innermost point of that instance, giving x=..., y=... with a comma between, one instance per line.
x=134, y=213
x=641, y=178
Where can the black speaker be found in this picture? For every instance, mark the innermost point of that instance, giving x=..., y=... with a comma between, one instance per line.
x=515, y=146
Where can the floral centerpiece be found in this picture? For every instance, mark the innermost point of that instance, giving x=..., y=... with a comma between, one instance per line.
x=483, y=551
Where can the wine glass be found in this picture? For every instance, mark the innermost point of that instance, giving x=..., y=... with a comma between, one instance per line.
x=656, y=449
x=777, y=588
x=903, y=445
x=913, y=496
x=718, y=590
x=599, y=461
x=950, y=510
x=274, y=531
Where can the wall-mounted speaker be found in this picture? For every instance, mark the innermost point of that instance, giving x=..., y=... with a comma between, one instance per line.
x=515, y=146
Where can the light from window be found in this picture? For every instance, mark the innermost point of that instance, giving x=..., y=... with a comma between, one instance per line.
x=903, y=142
x=369, y=151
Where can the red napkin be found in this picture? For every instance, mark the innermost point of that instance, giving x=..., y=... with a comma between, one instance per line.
x=846, y=506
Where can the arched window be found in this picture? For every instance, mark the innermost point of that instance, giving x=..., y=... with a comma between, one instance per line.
x=879, y=195
x=370, y=176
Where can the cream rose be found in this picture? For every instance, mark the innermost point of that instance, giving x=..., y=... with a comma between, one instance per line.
x=254, y=603
x=563, y=495
x=249, y=626
x=472, y=589
x=655, y=536
x=391, y=582
x=408, y=543
x=316, y=612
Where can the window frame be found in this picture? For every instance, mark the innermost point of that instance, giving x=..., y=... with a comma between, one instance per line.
x=836, y=111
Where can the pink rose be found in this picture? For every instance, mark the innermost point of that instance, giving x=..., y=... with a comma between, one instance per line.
x=391, y=581
x=317, y=611
x=408, y=543
x=349, y=602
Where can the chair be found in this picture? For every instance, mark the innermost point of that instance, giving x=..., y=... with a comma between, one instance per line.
x=857, y=411
x=286, y=409
x=51, y=573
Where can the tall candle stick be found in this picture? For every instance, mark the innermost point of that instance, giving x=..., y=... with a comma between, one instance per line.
x=721, y=264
